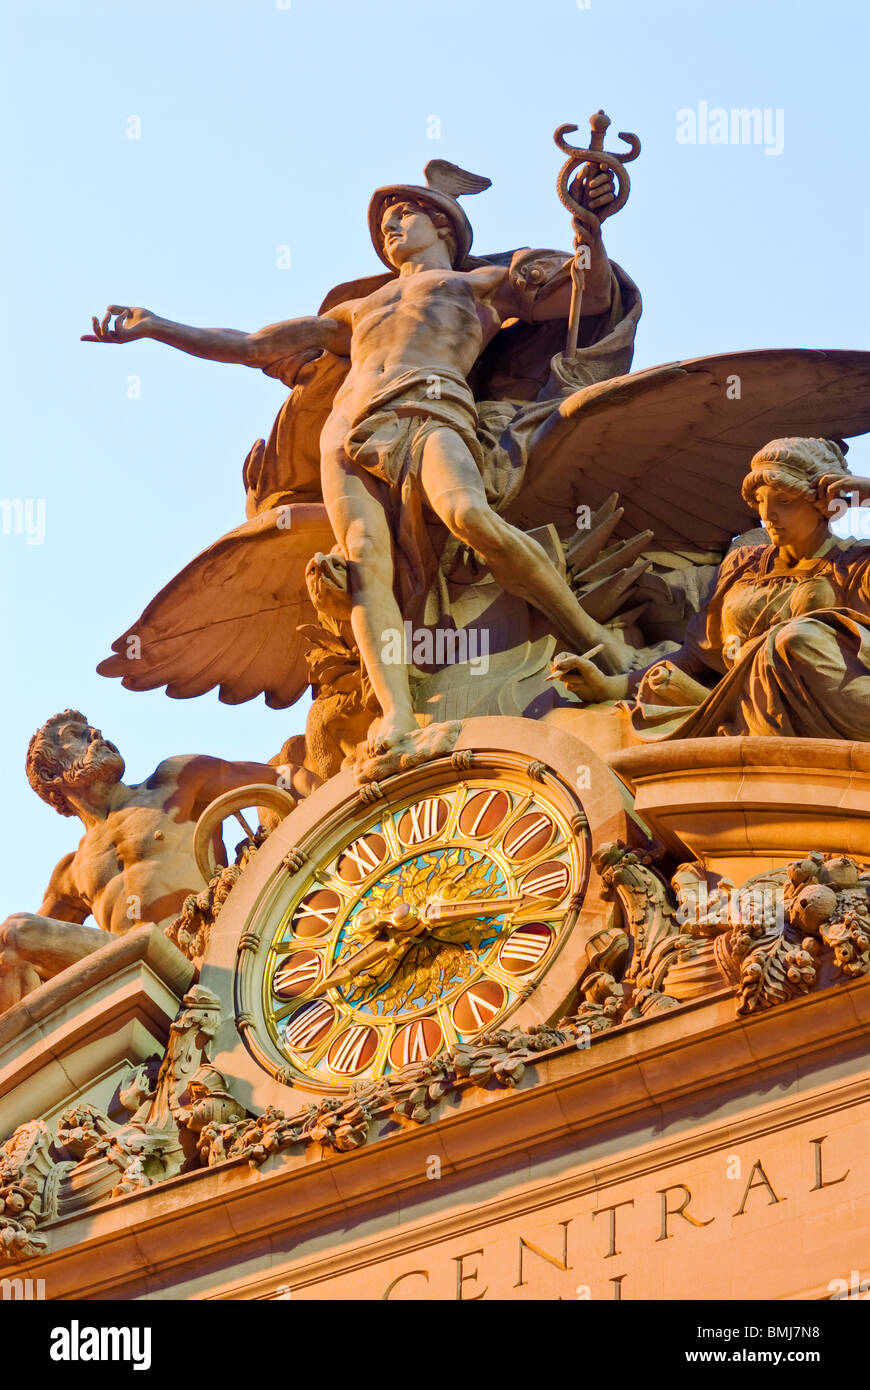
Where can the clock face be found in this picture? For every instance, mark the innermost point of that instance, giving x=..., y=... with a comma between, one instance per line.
x=429, y=919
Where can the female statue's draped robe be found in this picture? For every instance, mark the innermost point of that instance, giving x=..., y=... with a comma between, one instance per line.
x=792, y=646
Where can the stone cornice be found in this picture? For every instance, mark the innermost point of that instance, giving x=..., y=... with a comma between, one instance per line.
x=87, y=1018
x=635, y=1071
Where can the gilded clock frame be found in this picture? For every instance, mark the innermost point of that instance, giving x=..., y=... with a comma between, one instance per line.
x=340, y=812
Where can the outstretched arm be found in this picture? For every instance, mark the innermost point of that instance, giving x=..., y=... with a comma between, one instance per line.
x=214, y=776
x=121, y=324
x=598, y=287
x=194, y=781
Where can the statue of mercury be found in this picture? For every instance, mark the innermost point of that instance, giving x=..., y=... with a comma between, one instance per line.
x=405, y=417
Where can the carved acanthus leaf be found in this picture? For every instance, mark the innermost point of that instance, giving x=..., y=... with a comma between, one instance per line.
x=159, y=1140
x=783, y=933
x=191, y=929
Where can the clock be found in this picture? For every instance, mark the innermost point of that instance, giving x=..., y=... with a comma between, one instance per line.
x=403, y=919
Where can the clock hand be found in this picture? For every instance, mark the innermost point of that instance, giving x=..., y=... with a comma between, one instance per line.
x=438, y=913
x=403, y=926
x=412, y=926
x=364, y=959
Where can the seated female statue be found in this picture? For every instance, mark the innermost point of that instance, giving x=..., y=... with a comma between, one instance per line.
x=782, y=645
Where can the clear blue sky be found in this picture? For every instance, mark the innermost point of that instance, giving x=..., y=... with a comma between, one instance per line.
x=264, y=126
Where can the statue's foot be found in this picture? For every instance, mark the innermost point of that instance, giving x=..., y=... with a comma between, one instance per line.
x=397, y=751
x=386, y=734
x=384, y=738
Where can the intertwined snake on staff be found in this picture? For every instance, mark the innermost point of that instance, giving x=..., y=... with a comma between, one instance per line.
x=584, y=219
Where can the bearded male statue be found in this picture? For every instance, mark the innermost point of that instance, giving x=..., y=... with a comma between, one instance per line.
x=135, y=862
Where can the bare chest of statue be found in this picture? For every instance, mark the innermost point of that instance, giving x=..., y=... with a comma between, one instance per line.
x=126, y=865
x=433, y=316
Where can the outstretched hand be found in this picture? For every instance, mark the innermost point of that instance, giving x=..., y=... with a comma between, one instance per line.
x=129, y=324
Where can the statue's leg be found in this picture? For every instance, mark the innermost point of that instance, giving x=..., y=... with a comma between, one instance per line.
x=34, y=949
x=455, y=492
x=18, y=978
x=357, y=517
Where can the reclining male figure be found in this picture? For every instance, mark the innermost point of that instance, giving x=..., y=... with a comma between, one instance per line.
x=135, y=861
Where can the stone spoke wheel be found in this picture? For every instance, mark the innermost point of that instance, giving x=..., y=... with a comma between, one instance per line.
x=208, y=835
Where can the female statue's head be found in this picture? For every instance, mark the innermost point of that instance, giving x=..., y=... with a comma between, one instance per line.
x=782, y=485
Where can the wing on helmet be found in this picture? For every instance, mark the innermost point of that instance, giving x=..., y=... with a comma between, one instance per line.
x=229, y=619
x=674, y=441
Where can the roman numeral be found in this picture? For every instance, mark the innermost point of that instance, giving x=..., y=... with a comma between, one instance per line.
x=525, y=946
x=311, y=916
x=414, y=1048
x=547, y=881
x=309, y=1025
x=477, y=820
x=528, y=829
x=363, y=855
x=426, y=819
x=482, y=1009
x=297, y=974
x=416, y=1041
x=349, y=1052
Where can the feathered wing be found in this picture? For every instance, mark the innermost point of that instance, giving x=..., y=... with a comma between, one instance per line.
x=674, y=441
x=450, y=178
x=229, y=619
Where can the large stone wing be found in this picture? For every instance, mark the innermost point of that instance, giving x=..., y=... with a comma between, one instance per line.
x=674, y=441
x=229, y=619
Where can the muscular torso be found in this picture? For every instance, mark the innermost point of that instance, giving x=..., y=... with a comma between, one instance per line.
x=432, y=319
x=137, y=864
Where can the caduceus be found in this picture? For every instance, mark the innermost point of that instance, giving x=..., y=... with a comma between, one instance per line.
x=586, y=221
